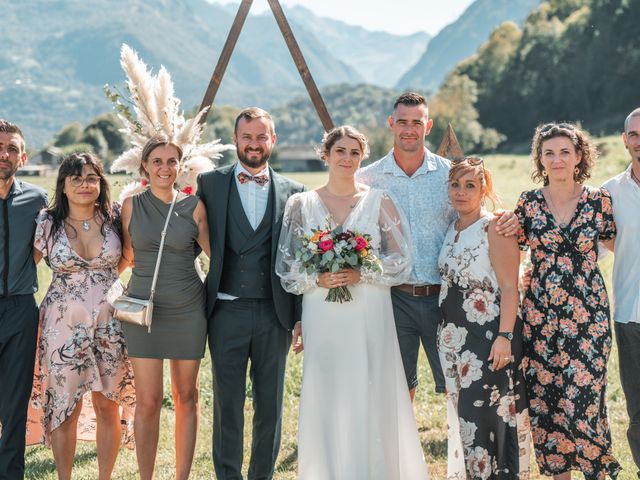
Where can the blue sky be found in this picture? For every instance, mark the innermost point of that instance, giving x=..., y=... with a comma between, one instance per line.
x=396, y=16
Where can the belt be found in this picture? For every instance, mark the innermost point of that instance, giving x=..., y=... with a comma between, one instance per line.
x=419, y=290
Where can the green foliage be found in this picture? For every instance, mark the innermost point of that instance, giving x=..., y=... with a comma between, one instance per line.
x=69, y=135
x=76, y=148
x=575, y=60
x=94, y=137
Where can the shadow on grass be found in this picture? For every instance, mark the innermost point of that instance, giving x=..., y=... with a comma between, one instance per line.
x=37, y=466
x=288, y=463
x=435, y=449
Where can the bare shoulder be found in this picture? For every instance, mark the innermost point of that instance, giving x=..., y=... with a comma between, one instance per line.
x=496, y=239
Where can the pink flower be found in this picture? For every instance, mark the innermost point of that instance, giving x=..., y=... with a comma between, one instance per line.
x=187, y=190
x=361, y=243
x=325, y=245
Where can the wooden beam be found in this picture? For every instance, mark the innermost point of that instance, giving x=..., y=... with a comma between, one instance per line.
x=223, y=61
x=300, y=62
x=450, y=147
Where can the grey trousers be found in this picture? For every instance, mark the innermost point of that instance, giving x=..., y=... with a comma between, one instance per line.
x=246, y=330
x=18, y=335
x=417, y=320
x=628, y=340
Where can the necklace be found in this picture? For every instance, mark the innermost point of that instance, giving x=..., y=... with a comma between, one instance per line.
x=86, y=225
x=562, y=220
x=343, y=197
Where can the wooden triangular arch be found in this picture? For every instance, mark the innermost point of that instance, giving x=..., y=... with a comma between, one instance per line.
x=449, y=148
x=294, y=49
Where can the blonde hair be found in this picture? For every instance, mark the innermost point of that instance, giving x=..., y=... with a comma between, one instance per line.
x=476, y=165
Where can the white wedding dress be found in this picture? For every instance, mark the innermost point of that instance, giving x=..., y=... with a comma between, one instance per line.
x=356, y=421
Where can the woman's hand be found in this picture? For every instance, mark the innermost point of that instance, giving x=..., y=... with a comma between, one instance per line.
x=500, y=353
x=296, y=341
x=342, y=278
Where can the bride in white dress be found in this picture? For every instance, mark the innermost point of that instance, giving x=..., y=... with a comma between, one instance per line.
x=356, y=421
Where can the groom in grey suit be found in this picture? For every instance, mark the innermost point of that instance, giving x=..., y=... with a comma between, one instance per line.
x=250, y=316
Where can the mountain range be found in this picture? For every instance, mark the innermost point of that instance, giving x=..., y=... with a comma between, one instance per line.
x=461, y=39
x=57, y=54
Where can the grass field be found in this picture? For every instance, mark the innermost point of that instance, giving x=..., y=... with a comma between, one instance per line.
x=511, y=175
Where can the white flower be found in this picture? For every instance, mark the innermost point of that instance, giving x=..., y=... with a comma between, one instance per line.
x=478, y=463
x=469, y=368
x=312, y=247
x=481, y=306
x=444, y=288
x=467, y=432
x=452, y=338
x=507, y=409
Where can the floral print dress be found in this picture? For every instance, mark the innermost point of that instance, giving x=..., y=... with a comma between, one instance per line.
x=489, y=435
x=567, y=335
x=81, y=346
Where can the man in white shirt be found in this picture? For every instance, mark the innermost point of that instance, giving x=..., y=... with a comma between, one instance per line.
x=250, y=315
x=625, y=194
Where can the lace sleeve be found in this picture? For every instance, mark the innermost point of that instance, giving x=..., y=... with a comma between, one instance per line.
x=293, y=280
x=395, y=246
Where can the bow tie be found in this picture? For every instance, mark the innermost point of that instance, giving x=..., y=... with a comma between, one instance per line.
x=261, y=180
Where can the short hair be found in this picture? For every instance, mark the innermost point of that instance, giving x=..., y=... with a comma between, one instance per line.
x=581, y=143
x=332, y=136
x=252, y=113
x=410, y=99
x=8, y=127
x=635, y=113
x=475, y=164
x=150, y=146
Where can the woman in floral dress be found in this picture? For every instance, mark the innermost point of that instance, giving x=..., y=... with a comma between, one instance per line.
x=479, y=340
x=83, y=379
x=567, y=334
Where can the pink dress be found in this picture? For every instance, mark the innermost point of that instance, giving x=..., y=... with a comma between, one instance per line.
x=81, y=346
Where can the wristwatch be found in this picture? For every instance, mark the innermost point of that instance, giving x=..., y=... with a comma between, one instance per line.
x=507, y=335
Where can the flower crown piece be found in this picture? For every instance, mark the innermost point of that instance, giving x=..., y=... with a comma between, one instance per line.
x=157, y=114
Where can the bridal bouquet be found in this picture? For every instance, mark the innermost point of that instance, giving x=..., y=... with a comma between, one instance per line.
x=330, y=250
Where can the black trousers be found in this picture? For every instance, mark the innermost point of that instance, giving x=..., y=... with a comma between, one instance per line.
x=628, y=340
x=18, y=336
x=246, y=330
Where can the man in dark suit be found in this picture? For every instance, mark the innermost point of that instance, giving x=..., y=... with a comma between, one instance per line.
x=250, y=315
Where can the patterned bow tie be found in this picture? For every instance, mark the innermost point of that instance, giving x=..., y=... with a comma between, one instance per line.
x=261, y=180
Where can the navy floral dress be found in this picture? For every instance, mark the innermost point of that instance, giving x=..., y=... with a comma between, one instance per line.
x=567, y=335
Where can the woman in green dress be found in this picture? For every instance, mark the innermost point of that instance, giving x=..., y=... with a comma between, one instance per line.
x=179, y=326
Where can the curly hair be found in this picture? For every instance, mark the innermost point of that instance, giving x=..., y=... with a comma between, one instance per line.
x=581, y=143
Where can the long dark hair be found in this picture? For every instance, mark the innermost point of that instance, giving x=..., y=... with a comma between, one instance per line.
x=59, y=209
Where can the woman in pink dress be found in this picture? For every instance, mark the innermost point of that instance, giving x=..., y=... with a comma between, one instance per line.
x=83, y=386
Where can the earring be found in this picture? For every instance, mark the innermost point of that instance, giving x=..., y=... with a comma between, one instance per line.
x=544, y=173
x=482, y=202
x=576, y=171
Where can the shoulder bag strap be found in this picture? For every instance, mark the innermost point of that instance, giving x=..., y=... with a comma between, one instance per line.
x=162, y=237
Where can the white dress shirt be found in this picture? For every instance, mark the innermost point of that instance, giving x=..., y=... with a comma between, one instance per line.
x=254, y=200
x=625, y=196
x=254, y=197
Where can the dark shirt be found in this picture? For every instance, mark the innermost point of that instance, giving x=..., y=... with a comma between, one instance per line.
x=17, y=226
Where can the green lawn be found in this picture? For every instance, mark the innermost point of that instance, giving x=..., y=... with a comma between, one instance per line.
x=512, y=175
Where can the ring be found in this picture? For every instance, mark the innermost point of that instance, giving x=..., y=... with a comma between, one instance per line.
x=505, y=358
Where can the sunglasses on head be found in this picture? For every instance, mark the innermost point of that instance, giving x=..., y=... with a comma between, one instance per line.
x=473, y=161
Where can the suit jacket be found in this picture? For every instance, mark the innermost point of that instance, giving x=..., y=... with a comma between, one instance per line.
x=213, y=190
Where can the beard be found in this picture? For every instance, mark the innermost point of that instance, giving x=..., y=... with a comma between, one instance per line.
x=7, y=173
x=262, y=159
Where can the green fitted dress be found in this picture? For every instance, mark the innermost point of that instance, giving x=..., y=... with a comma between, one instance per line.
x=179, y=327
